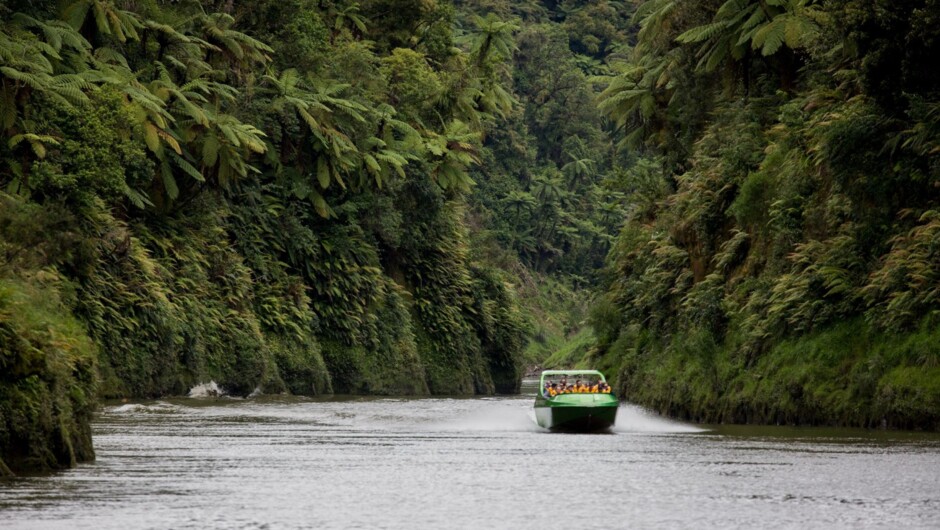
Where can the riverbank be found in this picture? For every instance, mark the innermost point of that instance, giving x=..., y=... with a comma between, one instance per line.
x=47, y=381
x=848, y=375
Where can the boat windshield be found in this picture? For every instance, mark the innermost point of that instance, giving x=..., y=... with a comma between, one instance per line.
x=570, y=375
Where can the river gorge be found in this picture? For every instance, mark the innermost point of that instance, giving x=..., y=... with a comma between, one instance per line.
x=370, y=462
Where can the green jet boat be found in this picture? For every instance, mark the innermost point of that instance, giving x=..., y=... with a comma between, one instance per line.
x=574, y=412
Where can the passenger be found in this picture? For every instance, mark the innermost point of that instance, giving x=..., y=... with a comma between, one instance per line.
x=579, y=387
x=553, y=390
x=595, y=387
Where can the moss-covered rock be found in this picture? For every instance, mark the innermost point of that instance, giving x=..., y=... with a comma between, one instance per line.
x=47, y=379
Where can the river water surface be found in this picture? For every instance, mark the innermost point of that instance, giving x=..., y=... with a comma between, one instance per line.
x=279, y=462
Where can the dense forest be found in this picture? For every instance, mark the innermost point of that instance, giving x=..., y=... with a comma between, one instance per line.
x=386, y=197
x=729, y=206
x=781, y=262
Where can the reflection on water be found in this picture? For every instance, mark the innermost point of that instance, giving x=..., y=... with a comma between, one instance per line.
x=286, y=462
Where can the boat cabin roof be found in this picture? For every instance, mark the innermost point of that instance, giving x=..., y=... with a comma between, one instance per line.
x=570, y=374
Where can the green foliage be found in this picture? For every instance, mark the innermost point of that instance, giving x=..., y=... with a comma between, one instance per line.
x=177, y=306
x=172, y=103
x=751, y=205
x=414, y=87
x=94, y=158
x=764, y=26
x=573, y=354
x=790, y=272
x=493, y=38
x=34, y=237
x=848, y=374
x=500, y=325
x=47, y=377
x=306, y=196
x=907, y=282
x=383, y=359
x=47, y=362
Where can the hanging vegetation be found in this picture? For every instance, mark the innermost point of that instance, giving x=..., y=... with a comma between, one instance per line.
x=783, y=267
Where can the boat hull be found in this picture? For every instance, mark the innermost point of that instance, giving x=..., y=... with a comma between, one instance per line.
x=577, y=413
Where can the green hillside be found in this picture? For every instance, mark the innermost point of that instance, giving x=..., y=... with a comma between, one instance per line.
x=782, y=259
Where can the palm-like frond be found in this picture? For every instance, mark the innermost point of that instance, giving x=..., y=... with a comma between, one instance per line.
x=37, y=142
x=108, y=19
x=765, y=26
x=452, y=152
x=493, y=39
x=215, y=30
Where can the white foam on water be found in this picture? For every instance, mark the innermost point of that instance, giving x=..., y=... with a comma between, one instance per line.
x=210, y=389
x=140, y=408
x=496, y=417
x=636, y=419
x=516, y=416
x=130, y=407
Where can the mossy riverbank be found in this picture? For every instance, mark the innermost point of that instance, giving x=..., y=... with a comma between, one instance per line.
x=47, y=380
x=845, y=375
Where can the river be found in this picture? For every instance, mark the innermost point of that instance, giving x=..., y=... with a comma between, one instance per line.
x=289, y=462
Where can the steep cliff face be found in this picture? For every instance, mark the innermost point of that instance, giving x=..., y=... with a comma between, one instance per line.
x=781, y=264
x=273, y=205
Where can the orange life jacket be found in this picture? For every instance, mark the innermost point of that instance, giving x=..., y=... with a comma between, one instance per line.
x=551, y=392
x=594, y=389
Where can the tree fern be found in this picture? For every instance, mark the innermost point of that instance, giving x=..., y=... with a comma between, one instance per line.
x=37, y=142
x=703, y=33
x=770, y=37
x=108, y=19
